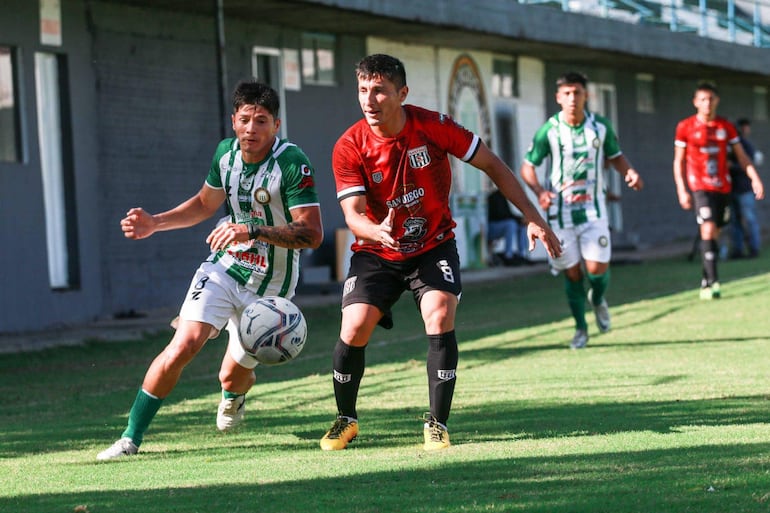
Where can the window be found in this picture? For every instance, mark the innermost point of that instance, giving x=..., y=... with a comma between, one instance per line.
x=9, y=108
x=267, y=66
x=505, y=83
x=645, y=94
x=760, y=103
x=318, y=59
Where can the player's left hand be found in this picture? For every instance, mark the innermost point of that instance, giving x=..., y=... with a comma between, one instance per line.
x=758, y=188
x=227, y=233
x=633, y=180
x=384, y=231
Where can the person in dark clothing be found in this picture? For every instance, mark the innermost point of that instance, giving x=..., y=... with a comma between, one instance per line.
x=503, y=223
x=744, y=223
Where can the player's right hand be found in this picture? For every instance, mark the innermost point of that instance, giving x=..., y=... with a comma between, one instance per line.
x=685, y=200
x=545, y=198
x=385, y=229
x=138, y=224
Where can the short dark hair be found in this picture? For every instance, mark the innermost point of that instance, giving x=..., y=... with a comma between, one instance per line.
x=254, y=92
x=572, y=77
x=382, y=66
x=707, y=86
x=741, y=122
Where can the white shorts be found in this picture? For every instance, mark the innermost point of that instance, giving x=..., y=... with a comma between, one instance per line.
x=217, y=299
x=588, y=241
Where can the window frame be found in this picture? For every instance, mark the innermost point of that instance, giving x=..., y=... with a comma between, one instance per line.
x=497, y=85
x=310, y=59
x=16, y=154
x=645, y=95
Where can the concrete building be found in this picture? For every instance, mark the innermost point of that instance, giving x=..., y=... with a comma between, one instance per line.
x=109, y=104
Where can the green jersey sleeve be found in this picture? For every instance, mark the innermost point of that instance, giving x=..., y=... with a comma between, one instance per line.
x=611, y=145
x=298, y=178
x=540, y=148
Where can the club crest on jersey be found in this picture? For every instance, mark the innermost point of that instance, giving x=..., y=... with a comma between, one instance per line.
x=419, y=157
x=414, y=228
x=377, y=177
x=596, y=143
x=262, y=195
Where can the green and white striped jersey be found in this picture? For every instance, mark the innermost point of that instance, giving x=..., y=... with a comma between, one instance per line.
x=262, y=193
x=577, y=166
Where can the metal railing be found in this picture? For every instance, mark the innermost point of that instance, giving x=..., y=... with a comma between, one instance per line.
x=735, y=21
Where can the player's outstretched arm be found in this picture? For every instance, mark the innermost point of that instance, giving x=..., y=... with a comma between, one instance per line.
x=138, y=224
x=363, y=228
x=509, y=185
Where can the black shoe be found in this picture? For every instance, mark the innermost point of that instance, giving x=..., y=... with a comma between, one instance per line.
x=512, y=261
x=526, y=261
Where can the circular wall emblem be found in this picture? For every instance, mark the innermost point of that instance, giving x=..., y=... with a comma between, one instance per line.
x=262, y=195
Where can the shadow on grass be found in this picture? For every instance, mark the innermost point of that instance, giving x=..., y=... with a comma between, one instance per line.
x=494, y=421
x=702, y=479
x=528, y=421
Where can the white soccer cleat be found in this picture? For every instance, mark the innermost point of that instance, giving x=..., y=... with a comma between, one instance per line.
x=601, y=311
x=580, y=339
x=123, y=447
x=230, y=412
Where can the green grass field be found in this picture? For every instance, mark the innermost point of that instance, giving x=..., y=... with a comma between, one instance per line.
x=669, y=412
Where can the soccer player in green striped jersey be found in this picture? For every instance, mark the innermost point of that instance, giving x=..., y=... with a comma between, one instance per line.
x=267, y=186
x=573, y=196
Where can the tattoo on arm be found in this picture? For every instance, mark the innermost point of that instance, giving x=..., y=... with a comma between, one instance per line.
x=295, y=235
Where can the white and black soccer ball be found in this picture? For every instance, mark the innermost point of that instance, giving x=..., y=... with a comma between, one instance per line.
x=272, y=330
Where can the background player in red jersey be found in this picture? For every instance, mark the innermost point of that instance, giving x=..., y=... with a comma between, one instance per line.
x=700, y=155
x=393, y=181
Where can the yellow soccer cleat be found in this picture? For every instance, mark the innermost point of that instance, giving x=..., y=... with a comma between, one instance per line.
x=343, y=431
x=436, y=435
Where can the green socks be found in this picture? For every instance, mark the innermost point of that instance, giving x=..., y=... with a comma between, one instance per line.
x=599, y=284
x=142, y=412
x=230, y=395
x=576, y=298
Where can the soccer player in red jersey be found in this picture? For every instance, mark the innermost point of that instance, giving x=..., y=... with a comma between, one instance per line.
x=393, y=180
x=701, y=168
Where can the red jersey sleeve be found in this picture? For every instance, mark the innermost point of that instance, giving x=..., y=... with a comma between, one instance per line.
x=680, y=136
x=347, y=165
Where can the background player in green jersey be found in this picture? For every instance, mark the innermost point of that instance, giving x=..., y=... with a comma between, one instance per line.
x=574, y=197
x=273, y=213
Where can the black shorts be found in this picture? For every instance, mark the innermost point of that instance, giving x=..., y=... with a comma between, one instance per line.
x=712, y=206
x=375, y=281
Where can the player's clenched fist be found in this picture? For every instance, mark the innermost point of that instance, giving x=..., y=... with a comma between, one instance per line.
x=138, y=224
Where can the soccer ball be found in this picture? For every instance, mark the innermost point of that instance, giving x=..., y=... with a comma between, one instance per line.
x=272, y=330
